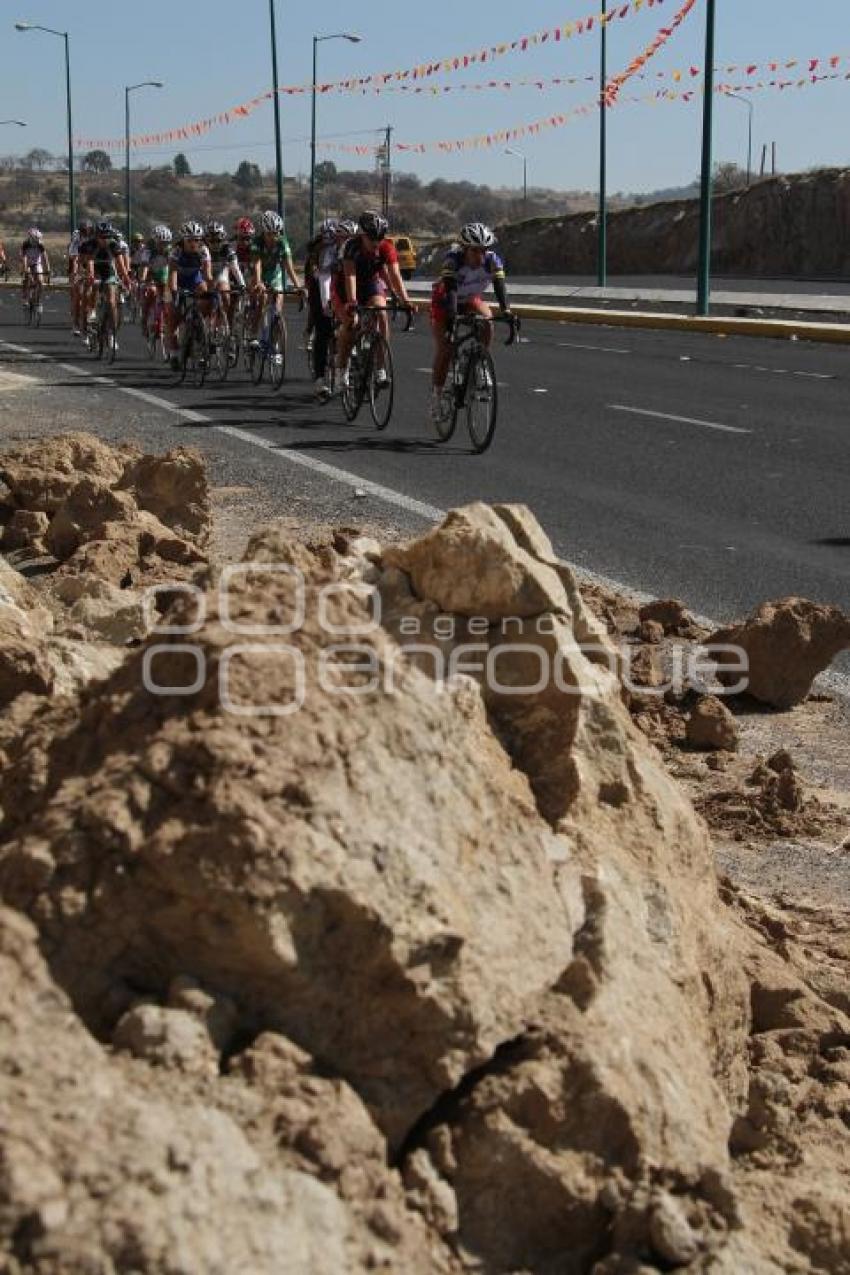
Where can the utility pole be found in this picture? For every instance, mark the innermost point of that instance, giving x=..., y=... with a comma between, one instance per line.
x=704, y=277
x=386, y=197
x=773, y=160
x=602, y=251
x=763, y=160
x=278, y=148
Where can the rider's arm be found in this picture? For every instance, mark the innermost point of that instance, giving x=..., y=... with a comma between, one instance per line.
x=236, y=271
x=206, y=268
x=500, y=287
x=47, y=264
x=349, y=274
x=393, y=274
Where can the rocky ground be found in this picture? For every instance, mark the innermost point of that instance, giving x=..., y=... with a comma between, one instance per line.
x=483, y=973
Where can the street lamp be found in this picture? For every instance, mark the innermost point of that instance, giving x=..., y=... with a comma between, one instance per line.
x=20, y=123
x=520, y=155
x=278, y=149
x=72, y=202
x=131, y=88
x=704, y=273
x=738, y=98
x=317, y=40
x=602, y=229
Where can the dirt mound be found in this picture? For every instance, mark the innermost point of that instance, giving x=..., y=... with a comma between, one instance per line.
x=787, y=644
x=774, y=799
x=341, y=867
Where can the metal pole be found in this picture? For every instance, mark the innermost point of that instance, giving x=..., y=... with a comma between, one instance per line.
x=750, y=148
x=704, y=276
x=388, y=177
x=127, y=162
x=313, y=143
x=277, y=140
x=773, y=158
x=525, y=186
x=602, y=251
x=72, y=198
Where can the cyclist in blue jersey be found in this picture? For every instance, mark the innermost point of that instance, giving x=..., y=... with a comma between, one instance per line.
x=189, y=270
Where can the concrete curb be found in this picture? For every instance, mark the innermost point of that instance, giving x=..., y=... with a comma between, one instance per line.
x=775, y=329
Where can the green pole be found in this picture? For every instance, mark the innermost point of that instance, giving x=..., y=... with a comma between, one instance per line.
x=127, y=218
x=602, y=252
x=277, y=141
x=72, y=199
x=704, y=277
x=313, y=142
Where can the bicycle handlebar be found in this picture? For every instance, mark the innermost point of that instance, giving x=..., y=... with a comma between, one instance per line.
x=511, y=320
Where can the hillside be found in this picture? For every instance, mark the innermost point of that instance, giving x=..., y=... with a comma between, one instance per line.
x=796, y=225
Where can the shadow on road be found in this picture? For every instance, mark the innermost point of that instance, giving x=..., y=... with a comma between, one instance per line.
x=834, y=542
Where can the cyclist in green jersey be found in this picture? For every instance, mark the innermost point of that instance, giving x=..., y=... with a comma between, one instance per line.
x=271, y=259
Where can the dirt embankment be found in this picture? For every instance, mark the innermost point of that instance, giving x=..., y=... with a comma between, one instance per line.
x=786, y=226
x=317, y=959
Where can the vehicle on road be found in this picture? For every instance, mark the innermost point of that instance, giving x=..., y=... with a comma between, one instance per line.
x=406, y=252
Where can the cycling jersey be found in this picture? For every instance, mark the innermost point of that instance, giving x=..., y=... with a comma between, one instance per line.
x=369, y=265
x=139, y=257
x=34, y=255
x=104, y=257
x=225, y=263
x=74, y=246
x=157, y=262
x=86, y=249
x=272, y=260
x=472, y=281
x=189, y=265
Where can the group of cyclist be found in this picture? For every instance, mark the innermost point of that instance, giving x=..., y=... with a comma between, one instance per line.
x=348, y=266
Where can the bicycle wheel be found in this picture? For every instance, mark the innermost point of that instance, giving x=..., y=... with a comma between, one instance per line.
x=220, y=348
x=101, y=331
x=277, y=352
x=446, y=423
x=482, y=400
x=37, y=313
x=353, y=395
x=111, y=338
x=381, y=392
x=200, y=351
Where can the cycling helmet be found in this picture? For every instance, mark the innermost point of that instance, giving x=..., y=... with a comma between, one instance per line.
x=329, y=230
x=374, y=225
x=161, y=234
x=216, y=231
x=476, y=235
x=245, y=226
x=34, y=233
x=271, y=222
x=103, y=229
x=347, y=228
x=137, y=238
x=191, y=230
x=86, y=228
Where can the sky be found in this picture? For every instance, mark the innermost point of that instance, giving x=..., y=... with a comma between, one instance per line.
x=216, y=55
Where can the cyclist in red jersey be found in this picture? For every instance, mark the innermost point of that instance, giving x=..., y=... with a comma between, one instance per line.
x=367, y=271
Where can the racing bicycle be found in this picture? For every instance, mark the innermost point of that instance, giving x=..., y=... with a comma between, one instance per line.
x=371, y=354
x=471, y=384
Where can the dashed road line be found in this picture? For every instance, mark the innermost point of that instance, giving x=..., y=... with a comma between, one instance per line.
x=683, y=420
x=603, y=349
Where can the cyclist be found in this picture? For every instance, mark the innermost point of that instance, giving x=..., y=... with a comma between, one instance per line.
x=323, y=257
x=107, y=268
x=189, y=270
x=469, y=269
x=4, y=264
x=154, y=274
x=368, y=269
x=245, y=233
x=35, y=262
x=271, y=257
x=77, y=273
x=225, y=263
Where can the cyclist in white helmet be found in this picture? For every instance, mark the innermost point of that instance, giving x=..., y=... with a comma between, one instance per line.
x=35, y=262
x=271, y=259
x=469, y=270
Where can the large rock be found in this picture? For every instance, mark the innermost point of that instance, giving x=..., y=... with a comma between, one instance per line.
x=174, y=488
x=106, y=1166
x=786, y=644
x=24, y=662
x=367, y=875
x=42, y=475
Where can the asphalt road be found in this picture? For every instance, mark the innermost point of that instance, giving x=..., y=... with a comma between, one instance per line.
x=713, y=469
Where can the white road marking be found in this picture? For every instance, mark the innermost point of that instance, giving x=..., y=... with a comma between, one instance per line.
x=818, y=376
x=604, y=349
x=684, y=420
x=540, y=391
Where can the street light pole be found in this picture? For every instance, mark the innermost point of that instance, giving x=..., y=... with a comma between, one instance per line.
x=128, y=89
x=317, y=40
x=704, y=276
x=72, y=201
x=602, y=250
x=737, y=98
x=277, y=142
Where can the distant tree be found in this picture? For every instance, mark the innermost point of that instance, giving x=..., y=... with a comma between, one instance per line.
x=38, y=158
x=54, y=195
x=181, y=166
x=248, y=176
x=96, y=162
x=326, y=172
x=728, y=176
x=158, y=179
